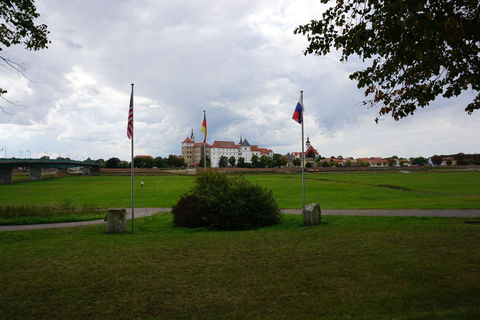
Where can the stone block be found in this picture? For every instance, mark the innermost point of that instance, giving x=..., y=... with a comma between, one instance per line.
x=116, y=220
x=312, y=214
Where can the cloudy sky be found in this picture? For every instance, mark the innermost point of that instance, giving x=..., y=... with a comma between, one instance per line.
x=238, y=60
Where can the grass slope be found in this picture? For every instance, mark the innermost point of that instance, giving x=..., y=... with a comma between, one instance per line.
x=423, y=190
x=346, y=268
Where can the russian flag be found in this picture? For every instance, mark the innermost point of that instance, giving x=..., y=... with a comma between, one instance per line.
x=298, y=113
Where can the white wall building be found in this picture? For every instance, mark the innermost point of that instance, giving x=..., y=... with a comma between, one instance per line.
x=241, y=150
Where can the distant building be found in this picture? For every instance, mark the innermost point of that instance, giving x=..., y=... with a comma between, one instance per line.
x=192, y=151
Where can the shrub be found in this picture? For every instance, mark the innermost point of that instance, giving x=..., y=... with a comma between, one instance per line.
x=189, y=212
x=231, y=203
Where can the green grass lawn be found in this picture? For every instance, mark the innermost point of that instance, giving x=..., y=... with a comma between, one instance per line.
x=425, y=190
x=346, y=268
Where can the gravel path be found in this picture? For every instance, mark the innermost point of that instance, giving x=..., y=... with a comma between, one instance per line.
x=144, y=212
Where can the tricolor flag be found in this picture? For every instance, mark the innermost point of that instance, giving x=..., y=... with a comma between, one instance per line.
x=204, y=127
x=130, y=118
x=298, y=113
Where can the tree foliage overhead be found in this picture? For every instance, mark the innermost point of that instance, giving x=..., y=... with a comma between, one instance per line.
x=418, y=49
x=17, y=27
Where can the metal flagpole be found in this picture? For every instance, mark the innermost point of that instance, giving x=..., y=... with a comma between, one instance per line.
x=303, y=157
x=204, y=143
x=132, y=173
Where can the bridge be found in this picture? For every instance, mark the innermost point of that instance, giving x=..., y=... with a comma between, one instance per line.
x=37, y=165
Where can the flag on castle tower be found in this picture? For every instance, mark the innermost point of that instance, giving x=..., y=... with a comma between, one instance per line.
x=204, y=127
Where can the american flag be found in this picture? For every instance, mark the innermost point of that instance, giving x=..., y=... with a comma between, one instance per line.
x=130, y=118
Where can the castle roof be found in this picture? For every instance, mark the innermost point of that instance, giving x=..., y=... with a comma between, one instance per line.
x=224, y=144
x=188, y=140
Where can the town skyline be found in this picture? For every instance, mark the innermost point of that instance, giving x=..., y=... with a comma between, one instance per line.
x=74, y=101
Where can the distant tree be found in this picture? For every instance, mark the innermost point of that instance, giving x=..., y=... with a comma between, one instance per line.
x=18, y=27
x=278, y=160
x=308, y=165
x=223, y=162
x=143, y=162
x=113, y=163
x=449, y=162
x=348, y=163
x=297, y=162
x=201, y=164
x=45, y=158
x=160, y=162
x=175, y=161
x=392, y=162
x=100, y=162
x=437, y=160
x=476, y=158
x=125, y=164
x=255, y=161
x=461, y=159
x=265, y=162
x=417, y=50
x=340, y=157
x=419, y=161
x=241, y=162
x=232, y=160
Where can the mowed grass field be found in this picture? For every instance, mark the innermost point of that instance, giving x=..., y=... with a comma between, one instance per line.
x=346, y=268
x=392, y=190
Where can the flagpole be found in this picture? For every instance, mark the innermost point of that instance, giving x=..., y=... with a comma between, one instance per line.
x=204, y=145
x=132, y=173
x=303, y=155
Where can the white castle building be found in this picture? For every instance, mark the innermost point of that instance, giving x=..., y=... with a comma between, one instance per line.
x=192, y=151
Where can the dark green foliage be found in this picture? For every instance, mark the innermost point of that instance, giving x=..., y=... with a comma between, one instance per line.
x=160, y=162
x=176, y=161
x=418, y=50
x=232, y=160
x=223, y=162
x=419, y=161
x=143, y=162
x=113, y=163
x=241, y=162
x=232, y=203
x=297, y=162
x=209, y=163
x=189, y=212
x=17, y=27
x=437, y=160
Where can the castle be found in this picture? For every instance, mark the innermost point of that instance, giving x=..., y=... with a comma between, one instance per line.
x=193, y=151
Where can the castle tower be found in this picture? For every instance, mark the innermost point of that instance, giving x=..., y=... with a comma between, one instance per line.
x=307, y=144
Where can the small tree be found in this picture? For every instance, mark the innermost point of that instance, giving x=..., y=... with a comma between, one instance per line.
x=113, y=163
x=297, y=162
x=223, y=162
x=241, y=162
x=209, y=163
x=232, y=160
x=436, y=160
x=160, y=162
x=255, y=161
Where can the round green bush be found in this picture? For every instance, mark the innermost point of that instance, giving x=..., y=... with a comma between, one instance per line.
x=231, y=203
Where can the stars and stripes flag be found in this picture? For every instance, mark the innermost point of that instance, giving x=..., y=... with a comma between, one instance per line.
x=130, y=118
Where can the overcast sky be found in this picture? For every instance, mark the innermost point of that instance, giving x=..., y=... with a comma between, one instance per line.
x=238, y=60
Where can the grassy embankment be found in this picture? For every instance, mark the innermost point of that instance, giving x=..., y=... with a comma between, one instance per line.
x=392, y=190
x=346, y=268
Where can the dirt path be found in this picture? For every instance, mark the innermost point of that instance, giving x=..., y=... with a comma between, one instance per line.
x=144, y=212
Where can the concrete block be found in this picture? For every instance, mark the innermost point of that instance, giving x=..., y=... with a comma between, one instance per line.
x=116, y=220
x=312, y=214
